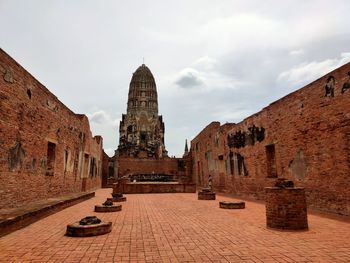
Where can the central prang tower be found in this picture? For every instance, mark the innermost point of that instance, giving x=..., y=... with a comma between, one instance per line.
x=141, y=130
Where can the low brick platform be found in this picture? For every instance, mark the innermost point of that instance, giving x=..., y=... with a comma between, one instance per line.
x=232, y=205
x=154, y=187
x=15, y=218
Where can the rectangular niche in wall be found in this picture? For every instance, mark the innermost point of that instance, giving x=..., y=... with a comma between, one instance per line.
x=86, y=166
x=93, y=167
x=271, y=161
x=51, y=155
x=65, y=161
x=242, y=171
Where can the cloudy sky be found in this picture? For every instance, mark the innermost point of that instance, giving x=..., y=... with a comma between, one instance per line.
x=212, y=60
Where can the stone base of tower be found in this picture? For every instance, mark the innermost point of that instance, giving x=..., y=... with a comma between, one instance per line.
x=178, y=169
x=164, y=175
x=154, y=187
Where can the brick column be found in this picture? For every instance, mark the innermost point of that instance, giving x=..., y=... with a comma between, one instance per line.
x=286, y=208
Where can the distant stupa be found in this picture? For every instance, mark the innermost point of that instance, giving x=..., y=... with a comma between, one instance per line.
x=141, y=130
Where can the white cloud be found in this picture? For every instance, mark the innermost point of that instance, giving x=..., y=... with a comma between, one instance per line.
x=205, y=63
x=99, y=117
x=109, y=151
x=242, y=30
x=296, y=52
x=205, y=73
x=103, y=124
x=231, y=52
x=309, y=71
x=189, y=78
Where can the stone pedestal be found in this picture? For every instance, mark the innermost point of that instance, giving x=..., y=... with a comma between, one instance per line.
x=232, y=205
x=206, y=194
x=88, y=226
x=105, y=208
x=286, y=208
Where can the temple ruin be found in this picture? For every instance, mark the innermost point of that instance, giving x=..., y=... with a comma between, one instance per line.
x=46, y=150
x=141, y=155
x=304, y=137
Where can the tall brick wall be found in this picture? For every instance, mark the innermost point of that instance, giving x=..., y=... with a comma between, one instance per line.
x=46, y=150
x=304, y=136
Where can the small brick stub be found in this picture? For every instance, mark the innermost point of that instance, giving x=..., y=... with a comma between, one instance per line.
x=206, y=195
x=232, y=205
x=104, y=208
x=286, y=208
x=117, y=197
x=77, y=230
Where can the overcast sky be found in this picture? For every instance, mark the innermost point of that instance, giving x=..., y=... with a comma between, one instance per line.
x=212, y=60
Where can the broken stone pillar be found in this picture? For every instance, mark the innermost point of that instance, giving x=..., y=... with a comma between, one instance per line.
x=119, y=186
x=286, y=206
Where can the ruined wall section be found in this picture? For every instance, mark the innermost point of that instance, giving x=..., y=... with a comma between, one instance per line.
x=305, y=137
x=208, y=150
x=45, y=149
x=170, y=166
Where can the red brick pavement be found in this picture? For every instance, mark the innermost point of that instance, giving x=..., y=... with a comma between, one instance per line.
x=176, y=228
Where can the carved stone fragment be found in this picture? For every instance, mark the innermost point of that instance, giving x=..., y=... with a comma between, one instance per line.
x=8, y=76
x=90, y=220
x=52, y=106
x=284, y=183
x=346, y=85
x=329, y=87
x=16, y=156
x=108, y=202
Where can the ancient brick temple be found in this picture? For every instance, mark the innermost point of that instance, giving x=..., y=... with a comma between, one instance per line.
x=46, y=150
x=141, y=130
x=304, y=137
x=141, y=154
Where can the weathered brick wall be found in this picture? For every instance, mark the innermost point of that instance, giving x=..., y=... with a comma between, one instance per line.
x=32, y=121
x=306, y=139
x=206, y=149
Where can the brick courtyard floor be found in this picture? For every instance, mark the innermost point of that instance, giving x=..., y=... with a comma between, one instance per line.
x=176, y=228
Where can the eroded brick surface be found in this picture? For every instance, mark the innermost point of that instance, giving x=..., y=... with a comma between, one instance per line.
x=304, y=136
x=177, y=228
x=46, y=150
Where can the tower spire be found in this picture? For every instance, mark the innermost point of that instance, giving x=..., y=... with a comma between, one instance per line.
x=186, y=148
